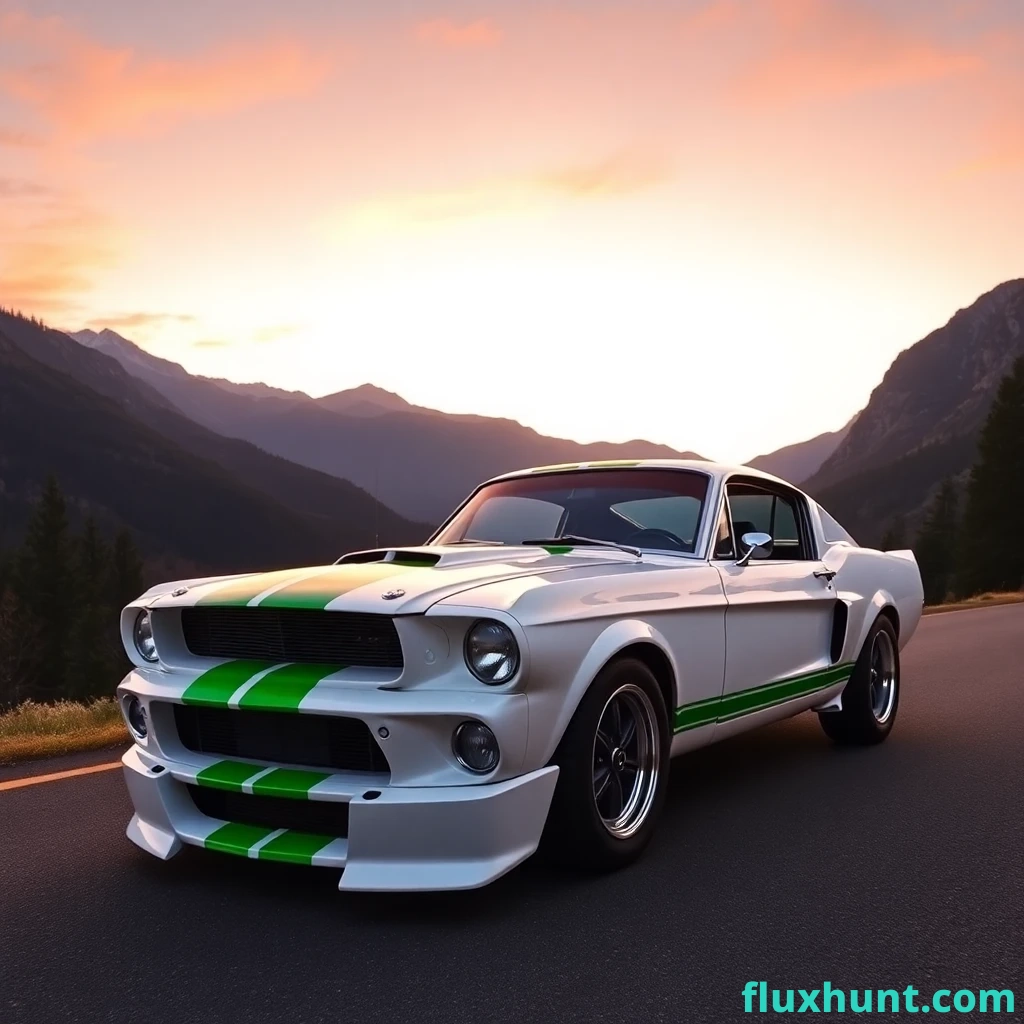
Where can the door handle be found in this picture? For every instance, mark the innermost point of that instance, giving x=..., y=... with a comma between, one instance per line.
x=828, y=575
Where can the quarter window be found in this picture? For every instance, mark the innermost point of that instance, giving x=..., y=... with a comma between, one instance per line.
x=757, y=509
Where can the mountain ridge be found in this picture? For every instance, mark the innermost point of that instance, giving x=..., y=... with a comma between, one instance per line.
x=374, y=438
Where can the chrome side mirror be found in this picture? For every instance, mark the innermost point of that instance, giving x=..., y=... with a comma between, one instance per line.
x=758, y=545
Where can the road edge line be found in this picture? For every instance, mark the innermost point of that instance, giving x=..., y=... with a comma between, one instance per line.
x=35, y=780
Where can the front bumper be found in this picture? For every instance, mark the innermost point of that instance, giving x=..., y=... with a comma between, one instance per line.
x=399, y=838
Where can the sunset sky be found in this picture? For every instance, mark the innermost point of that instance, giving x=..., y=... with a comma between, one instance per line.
x=712, y=225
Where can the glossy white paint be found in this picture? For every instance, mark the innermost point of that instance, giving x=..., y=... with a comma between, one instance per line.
x=711, y=628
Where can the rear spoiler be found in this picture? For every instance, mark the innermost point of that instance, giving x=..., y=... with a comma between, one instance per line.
x=905, y=553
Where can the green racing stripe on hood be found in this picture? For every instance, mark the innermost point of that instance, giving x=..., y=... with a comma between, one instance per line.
x=215, y=686
x=283, y=688
x=238, y=593
x=318, y=591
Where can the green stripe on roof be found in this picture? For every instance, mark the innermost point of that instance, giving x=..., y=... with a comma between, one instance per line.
x=294, y=847
x=758, y=698
x=288, y=782
x=235, y=838
x=228, y=775
x=318, y=591
x=284, y=687
x=612, y=462
x=216, y=685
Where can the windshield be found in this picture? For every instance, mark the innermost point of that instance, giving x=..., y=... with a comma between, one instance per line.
x=660, y=509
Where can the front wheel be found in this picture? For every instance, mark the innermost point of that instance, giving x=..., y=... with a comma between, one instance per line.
x=872, y=696
x=613, y=771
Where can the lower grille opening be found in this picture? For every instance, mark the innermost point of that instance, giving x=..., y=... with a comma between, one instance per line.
x=282, y=737
x=317, y=816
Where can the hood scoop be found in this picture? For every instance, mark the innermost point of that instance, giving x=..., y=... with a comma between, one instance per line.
x=443, y=557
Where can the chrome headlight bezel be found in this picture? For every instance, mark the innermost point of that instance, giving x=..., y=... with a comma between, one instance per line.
x=142, y=636
x=510, y=661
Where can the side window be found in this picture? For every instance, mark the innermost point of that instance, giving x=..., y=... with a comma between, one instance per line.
x=759, y=510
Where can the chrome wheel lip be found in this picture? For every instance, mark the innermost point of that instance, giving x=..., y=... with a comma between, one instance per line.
x=882, y=681
x=640, y=753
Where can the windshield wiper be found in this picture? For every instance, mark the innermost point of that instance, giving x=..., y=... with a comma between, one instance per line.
x=574, y=540
x=468, y=540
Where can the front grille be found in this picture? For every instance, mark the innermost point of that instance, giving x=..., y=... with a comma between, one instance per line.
x=292, y=635
x=321, y=817
x=317, y=741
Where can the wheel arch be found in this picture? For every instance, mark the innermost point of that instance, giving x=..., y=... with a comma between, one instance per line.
x=624, y=638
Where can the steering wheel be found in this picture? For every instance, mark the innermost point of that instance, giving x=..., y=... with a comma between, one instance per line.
x=648, y=537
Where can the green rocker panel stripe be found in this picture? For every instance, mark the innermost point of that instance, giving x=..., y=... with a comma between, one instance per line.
x=746, y=702
x=290, y=846
x=282, y=688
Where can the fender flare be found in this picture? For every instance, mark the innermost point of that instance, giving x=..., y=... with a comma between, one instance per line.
x=872, y=609
x=616, y=637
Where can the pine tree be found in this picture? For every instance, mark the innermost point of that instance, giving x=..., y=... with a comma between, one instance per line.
x=42, y=586
x=895, y=537
x=19, y=651
x=935, y=548
x=991, y=552
x=94, y=639
x=126, y=575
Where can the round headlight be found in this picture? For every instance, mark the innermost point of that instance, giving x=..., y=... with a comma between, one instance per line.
x=476, y=747
x=136, y=715
x=143, y=633
x=492, y=653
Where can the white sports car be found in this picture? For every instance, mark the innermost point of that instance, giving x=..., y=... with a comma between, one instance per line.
x=425, y=718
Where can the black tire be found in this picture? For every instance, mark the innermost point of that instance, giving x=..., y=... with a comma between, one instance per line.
x=869, y=709
x=576, y=834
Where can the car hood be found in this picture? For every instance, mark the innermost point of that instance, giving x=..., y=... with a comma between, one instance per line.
x=391, y=582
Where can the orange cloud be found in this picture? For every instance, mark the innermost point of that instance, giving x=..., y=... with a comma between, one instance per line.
x=19, y=140
x=47, y=263
x=87, y=90
x=621, y=174
x=126, y=321
x=817, y=48
x=22, y=188
x=470, y=36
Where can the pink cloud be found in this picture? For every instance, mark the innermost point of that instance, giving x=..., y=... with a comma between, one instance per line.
x=85, y=89
x=825, y=48
x=469, y=36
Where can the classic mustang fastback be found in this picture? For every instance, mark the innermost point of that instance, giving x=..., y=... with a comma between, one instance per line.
x=427, y=717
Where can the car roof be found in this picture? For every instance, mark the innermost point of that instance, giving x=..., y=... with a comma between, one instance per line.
x=715, y=469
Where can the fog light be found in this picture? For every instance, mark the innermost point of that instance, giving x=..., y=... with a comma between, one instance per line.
x=476, y=747
x=136, y=715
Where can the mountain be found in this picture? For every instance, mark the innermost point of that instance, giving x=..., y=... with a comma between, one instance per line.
x=921, y=423
x=797, y=462
x=124, y=453
x=420, y=462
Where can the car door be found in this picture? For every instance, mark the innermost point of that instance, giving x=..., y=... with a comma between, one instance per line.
x=780, y=609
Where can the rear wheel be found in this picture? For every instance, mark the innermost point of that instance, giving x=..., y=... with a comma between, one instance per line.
x=613, y=771
x=872, y=696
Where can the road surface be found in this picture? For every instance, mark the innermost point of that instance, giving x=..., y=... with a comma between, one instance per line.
x=780, y=858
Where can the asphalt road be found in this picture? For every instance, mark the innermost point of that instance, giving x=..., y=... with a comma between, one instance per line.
x=780, y=859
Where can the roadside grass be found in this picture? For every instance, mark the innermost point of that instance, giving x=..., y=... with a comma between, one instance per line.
x=33, y=730
x=980, y=601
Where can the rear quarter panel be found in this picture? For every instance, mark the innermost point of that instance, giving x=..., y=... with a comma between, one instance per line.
x=869, y=581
